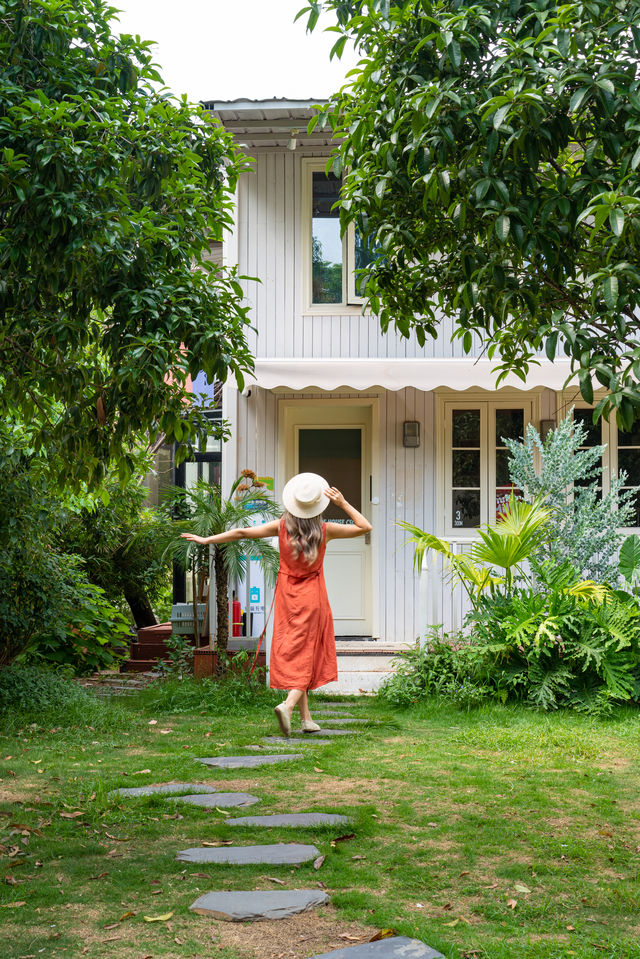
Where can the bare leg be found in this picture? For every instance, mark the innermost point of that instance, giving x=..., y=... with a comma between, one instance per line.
x=295, y=698
x=303, y=706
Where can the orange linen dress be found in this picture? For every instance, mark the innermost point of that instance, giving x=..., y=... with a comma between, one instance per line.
x=303, y=648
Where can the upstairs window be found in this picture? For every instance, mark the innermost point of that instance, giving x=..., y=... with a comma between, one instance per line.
x=331, y=260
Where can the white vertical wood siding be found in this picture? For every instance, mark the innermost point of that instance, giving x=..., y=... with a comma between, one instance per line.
x=270, y=249
x=404, y=481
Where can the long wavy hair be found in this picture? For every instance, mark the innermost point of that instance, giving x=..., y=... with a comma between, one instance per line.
x=305, y=535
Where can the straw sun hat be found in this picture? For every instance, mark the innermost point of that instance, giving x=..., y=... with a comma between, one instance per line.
x=304, y=496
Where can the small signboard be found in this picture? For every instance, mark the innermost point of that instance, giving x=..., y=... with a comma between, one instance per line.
x=256, y=603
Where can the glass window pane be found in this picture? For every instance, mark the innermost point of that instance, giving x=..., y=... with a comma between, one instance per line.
x=594, y=431
x=465, y=508
x=630, y=439
x=502, y=468
x=629, y=461
x=326, y=241
x=509, y=425
x=190, y=475
x=465, y=468
x=336, y=454
x=466, y=428
x=364, y=254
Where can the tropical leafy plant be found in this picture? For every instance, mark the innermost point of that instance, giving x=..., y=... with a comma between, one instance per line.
x=209, y=512
x=507, y=545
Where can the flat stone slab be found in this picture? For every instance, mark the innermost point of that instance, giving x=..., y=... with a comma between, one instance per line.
x=397, y=947
x=278, y=854
x=306, y=741
x=345, y=721
x=248, y=762
x=291, y=819
x=253, y=906
x=165, y=790
x=333, y=732
x=212, y=800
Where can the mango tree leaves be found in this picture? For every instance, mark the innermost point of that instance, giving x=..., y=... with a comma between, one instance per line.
x=531, y=116
x=111, y=193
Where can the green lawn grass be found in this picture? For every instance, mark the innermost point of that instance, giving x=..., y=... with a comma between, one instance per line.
x=496, y=833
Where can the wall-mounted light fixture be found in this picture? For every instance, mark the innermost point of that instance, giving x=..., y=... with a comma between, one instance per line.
x=293, y=143
x=411, y=433
x=545, y=428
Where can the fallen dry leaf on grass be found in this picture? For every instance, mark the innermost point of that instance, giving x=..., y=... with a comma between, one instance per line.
x=153, y=722
x=317, y=769
x=201, y=875
x=99, y=876
x=383, y=934
x=14, y=905
x=273, y=879
x=318, y=862
x=220, y=842
x=345, y=838
x=512, y=903
x=139, y=772
x=127, y=915
x=72, y=815
x=519, y=887
x=163, y=918
x=348, y=938
x=118, y=838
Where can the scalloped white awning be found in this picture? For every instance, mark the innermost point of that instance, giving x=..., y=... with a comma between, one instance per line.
x=396, y=374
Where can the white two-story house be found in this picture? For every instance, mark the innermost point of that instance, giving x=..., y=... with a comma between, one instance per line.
x=407, y=433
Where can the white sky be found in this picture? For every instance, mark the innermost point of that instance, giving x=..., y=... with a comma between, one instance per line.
x=226, y=49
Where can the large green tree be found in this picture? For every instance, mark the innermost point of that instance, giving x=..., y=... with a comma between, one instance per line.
x=491, y=148
x=111, y=192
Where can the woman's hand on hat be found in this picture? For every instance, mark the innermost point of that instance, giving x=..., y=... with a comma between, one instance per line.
x=336, y=497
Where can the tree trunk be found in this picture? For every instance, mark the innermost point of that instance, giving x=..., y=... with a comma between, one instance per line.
x=141, y=609
x=222, y=607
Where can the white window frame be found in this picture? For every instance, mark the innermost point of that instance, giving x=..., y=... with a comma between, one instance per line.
x=351, y=303
x=487, y=406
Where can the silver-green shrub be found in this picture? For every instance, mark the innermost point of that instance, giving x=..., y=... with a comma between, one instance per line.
x=587, y=531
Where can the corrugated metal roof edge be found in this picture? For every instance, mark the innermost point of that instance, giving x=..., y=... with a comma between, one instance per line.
x=243, y=103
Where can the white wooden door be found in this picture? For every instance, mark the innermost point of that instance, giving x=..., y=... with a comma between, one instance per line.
x=335, y=441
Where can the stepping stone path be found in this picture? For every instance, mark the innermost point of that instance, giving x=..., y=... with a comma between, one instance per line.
x=279, y=854
x=397, y=947
x=248, y=762
x=243, y=906
x=291, y=819
x=211, y=800
x=252, y=905
x=166, y=789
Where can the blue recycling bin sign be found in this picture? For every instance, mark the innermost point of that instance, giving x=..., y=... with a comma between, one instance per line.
x=256, y=602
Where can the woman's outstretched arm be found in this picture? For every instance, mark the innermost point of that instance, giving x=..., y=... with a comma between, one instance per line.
x=263, y=531
x=360, y=525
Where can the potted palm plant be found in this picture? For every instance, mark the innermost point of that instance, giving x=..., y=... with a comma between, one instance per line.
x=208, y=512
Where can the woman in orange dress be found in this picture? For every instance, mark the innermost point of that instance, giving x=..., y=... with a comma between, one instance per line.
x=303, y=649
